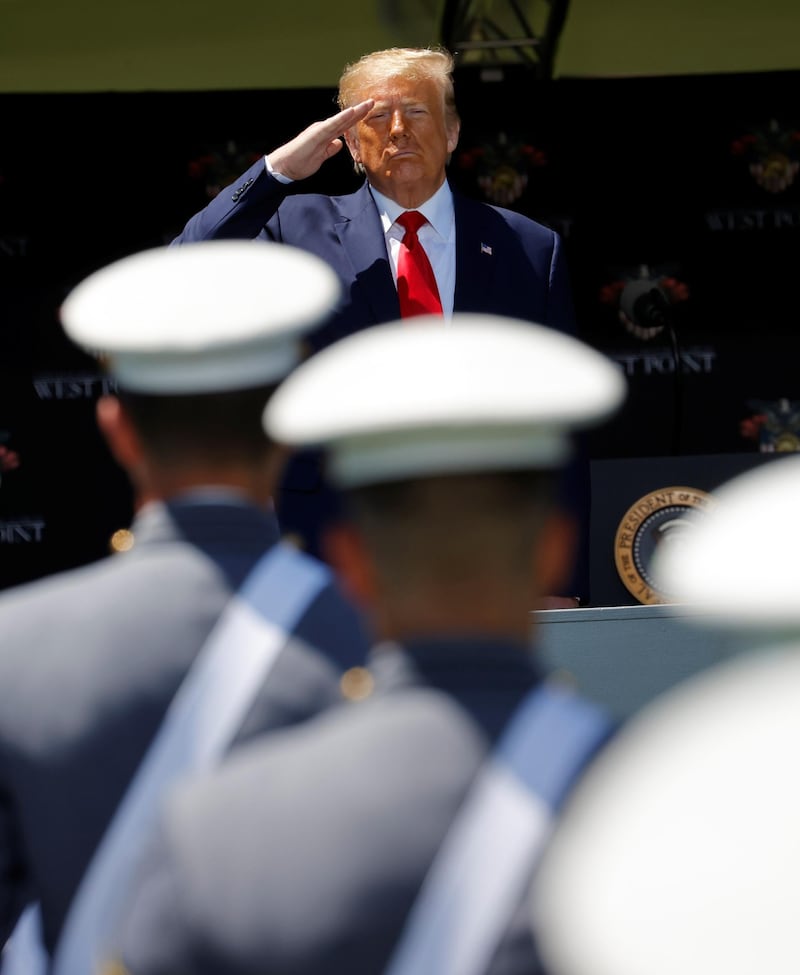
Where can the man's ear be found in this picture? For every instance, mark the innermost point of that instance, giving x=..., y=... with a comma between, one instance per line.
x=453, y=131
x=344, y=549
x=554, y=556
x=119, y=432
x=351, y=141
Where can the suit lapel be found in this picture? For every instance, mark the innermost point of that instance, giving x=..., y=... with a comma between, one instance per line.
x=475, y=256
x=361, y=235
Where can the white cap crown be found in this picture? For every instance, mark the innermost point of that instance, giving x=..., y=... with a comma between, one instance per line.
x=203, y=317
x=412, y=399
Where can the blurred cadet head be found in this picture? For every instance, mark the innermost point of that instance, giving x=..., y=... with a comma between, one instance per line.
x=196, y=339
x=737, y=563
x=446, y=441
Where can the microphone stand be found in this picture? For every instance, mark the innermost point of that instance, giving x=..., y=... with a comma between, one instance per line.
x=653, y=310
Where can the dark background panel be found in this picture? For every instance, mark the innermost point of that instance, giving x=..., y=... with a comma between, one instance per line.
x=638, y=174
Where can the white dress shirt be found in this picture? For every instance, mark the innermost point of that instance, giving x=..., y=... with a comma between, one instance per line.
x=437, y=236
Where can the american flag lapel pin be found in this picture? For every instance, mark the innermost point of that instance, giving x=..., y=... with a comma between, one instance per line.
x=486, y=249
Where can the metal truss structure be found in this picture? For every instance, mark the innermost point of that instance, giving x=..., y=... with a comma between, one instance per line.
x=494, y=33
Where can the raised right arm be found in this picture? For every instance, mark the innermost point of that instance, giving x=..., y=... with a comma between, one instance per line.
x=240, y=211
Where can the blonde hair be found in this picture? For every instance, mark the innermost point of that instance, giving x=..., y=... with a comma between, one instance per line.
x=432, y=63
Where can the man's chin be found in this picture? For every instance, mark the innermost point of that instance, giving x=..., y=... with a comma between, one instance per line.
x=405, y=168
x=402, y=164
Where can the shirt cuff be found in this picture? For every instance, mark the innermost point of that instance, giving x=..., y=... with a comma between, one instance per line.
x=279, y=176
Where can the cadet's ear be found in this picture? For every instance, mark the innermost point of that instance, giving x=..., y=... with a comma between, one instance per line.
x=344, y=549
x=119, y=432
x=554, y=556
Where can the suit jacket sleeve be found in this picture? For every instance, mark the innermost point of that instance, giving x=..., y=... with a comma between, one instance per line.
x=239, y=211
x=560, y=309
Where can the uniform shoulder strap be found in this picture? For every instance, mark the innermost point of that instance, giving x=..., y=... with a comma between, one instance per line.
x=199, y=725
x=480, y=873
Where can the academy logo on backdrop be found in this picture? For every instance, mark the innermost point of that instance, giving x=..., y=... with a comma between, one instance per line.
x=771, y=154
x=774, y=426
x=17, y=529
x=220, y=165
x=502, y=167
x=9, y=458
x=662, y=517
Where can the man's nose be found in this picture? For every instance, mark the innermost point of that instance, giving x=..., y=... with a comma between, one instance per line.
x=398, y=126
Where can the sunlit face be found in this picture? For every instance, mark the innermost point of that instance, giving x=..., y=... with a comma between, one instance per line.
x=404, y=142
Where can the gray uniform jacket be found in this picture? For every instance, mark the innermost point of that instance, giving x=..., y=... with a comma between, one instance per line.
x=304, y=853
x=89, y=660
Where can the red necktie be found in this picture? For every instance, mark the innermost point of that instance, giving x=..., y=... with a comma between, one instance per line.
x=416, y=285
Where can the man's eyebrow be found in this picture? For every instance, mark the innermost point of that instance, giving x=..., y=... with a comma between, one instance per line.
x=382, y=106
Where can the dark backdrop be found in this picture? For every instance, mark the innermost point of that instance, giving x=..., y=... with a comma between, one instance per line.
x=687, y=183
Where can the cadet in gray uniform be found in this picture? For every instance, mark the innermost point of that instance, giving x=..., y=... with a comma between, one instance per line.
x=304, y=852
x=89, y=659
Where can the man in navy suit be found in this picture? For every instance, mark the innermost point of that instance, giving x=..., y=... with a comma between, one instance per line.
x=400, y=124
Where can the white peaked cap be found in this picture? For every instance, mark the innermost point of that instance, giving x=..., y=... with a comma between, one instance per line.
x=739, y=561
x=203, y=317
x=679, y=850
x=410, y=399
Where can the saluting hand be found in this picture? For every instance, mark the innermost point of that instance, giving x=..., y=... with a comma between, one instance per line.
x=303, y=155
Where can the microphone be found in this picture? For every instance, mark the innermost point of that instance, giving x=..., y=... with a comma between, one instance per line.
x=646, y=306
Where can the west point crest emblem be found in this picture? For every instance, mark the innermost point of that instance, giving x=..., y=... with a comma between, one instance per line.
x=775, y=426
x=659, y=518
x=772, y=154
x=220, y=165
x=9, y=459
x=502, y=167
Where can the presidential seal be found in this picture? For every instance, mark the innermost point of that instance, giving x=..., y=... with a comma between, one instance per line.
x=658, y=518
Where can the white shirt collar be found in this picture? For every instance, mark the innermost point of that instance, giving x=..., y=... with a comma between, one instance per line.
x=438, y=210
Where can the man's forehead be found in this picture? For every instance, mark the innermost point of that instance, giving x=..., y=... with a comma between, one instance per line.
x=404, y=90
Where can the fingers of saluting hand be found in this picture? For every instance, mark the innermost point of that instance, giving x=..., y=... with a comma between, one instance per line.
x=303, y=155
x=338, y=124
